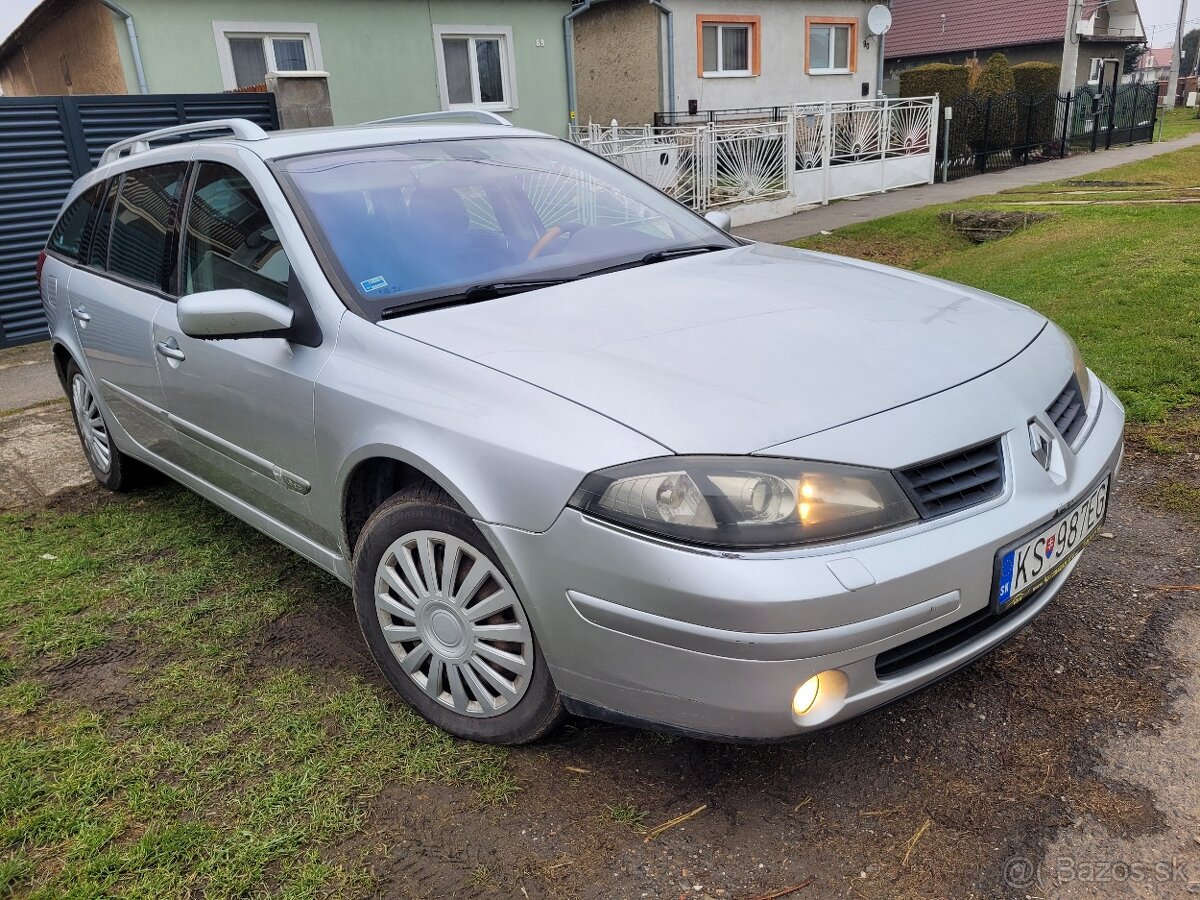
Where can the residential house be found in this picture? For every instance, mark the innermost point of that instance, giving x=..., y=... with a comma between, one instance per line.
x=383, y=57
x=1087, y=39
x=1154, y=65
x=633, y=58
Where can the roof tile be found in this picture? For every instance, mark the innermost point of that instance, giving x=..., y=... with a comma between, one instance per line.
x=930, y=27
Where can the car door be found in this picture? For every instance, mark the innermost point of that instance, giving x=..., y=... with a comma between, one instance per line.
x=242, y=407
x=118, y=288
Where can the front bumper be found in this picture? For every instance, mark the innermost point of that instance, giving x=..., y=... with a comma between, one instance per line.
x=717, y=644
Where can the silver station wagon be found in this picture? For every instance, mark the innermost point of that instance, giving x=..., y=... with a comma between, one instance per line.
x=575, y=448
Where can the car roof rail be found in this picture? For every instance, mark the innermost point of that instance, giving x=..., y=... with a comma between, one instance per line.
x=242, y=130
x=481, y=116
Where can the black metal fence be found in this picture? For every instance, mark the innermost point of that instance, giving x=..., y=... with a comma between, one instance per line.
x=46, y=143
x=985, y=135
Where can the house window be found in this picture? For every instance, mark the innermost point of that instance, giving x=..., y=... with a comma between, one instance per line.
x=246, y=51
x=727, y=46
x=1096, y=73
x=475, y=67
x=832, y=46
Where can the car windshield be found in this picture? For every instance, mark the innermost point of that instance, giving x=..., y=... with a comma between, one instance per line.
x=407, y=224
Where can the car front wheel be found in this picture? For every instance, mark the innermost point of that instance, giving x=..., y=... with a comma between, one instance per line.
x=445, y=625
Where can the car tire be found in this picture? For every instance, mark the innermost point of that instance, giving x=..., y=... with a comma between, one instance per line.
x=452, y=640
x=111, y=468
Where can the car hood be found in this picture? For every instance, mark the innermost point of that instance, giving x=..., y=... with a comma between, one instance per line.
x=734, y=351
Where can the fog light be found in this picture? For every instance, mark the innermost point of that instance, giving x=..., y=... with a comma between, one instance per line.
x=806, y=696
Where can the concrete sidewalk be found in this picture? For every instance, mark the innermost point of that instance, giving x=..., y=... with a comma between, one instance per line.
x=27, y=377
x=876, y=206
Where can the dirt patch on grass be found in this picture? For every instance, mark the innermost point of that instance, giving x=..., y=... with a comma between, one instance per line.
x=981, y=226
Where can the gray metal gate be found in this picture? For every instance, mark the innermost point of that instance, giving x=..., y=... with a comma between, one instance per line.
x=48, y=142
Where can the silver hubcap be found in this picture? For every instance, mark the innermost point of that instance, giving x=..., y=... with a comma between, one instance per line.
x=91, y=425
x=454, y=623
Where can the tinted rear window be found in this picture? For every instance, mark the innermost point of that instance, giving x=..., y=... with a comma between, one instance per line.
x=97, y=246
x=75, y=225
x=142, y=247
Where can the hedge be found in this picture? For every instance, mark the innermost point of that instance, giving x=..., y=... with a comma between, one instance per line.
x=1036, y=87
x=1033, y=79
x=951, y=82
x=995, y=83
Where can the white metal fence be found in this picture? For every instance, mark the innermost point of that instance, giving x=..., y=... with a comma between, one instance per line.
x=818, y=152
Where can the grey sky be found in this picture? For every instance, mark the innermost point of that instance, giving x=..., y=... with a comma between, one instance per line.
x=1160, y=13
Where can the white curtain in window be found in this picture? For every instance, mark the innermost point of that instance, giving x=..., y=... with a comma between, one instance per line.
x=735, y=49
x=249, y=61
x=456, y=53
x=289, y=55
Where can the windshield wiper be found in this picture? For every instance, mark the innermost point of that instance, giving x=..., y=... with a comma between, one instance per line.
x=672, y=252
x=475, y=294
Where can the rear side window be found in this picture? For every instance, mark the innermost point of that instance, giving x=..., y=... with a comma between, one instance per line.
x=229, y=241
x=143, y=227
x=95, y=244
x=76, y=223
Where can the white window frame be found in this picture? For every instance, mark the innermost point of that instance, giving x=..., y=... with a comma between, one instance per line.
x=1095, y=71
x=730, y=73
x=267, y=31
x=814, y=69
x=508, y=80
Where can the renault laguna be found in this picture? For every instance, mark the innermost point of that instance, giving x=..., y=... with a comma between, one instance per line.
x=574, y=447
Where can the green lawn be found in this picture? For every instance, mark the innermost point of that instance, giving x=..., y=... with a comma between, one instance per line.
x=1117, y=266
x=148, y=748
x=1180, y=122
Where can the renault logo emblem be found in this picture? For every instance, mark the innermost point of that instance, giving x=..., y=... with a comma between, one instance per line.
x=1041, y=444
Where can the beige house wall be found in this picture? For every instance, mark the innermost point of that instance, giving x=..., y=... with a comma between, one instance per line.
x=617, y=64
x=73, y=52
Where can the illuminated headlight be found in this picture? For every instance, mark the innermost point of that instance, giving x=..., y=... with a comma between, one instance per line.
x=745, y=502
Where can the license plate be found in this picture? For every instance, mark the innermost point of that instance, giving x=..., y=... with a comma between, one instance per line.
x=1029, y=565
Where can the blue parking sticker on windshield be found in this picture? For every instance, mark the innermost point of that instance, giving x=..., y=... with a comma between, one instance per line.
x=373, y=284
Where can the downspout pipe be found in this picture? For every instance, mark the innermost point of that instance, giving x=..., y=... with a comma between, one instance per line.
x=569, y=42
x=133, y=43
x=666, y=11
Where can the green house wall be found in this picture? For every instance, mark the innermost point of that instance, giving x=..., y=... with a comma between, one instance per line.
x=379, y=53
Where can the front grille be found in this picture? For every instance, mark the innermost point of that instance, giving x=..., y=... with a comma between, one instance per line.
x=944, y=640
x=955, y=481
x=1068, y=412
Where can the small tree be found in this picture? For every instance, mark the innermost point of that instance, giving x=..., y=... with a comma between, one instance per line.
x=994, y=89
x=995, y=78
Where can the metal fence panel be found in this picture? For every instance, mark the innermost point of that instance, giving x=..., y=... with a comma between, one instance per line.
x=46, y=143
x=989, y=134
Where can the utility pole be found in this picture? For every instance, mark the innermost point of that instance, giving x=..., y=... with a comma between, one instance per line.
x=1070, y=57
x=1173, y=81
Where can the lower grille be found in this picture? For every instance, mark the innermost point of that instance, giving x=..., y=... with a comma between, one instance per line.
x=955, y=481
x=1068, y=412
x=944, y=640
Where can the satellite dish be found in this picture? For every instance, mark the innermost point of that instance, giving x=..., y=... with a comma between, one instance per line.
x=879, y=20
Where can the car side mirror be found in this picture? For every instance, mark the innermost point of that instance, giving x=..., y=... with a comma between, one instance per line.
x=234, y=313
x=720, y=219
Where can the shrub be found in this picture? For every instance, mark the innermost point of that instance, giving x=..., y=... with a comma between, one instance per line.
x=1032, y=79
x=1036, y=87
x=995, y=78
x=951, y=82
x=995, y=86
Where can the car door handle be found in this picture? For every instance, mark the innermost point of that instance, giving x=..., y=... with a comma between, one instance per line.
x=170, y=349
x=78, y=313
